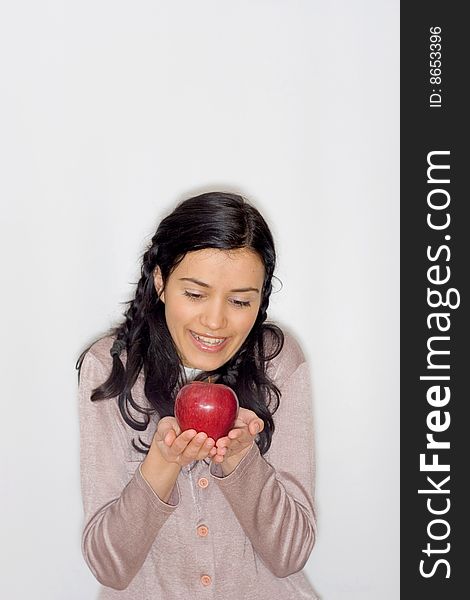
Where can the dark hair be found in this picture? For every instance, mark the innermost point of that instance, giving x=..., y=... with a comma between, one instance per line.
x=211, y=220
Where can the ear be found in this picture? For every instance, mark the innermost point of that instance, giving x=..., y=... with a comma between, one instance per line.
x=158, y=282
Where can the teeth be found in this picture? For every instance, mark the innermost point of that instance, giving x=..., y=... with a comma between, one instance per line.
x=209, y=341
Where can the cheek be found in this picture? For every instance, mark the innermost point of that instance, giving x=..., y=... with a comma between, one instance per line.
x=246, y=321
x=177, y=314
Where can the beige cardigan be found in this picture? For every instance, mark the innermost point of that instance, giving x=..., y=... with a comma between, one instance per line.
x=245, y=536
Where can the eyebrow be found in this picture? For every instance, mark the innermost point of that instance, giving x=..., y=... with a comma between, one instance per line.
x=206, y=285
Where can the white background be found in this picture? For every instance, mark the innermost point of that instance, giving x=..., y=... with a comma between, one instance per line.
x=111, y=111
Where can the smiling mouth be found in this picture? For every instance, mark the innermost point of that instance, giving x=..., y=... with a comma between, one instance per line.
x=213, y=342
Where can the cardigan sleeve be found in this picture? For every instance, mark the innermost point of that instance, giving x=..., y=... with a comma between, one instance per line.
x=272, y=495
x=122, y=517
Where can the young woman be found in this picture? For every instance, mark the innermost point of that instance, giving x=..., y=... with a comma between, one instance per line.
x=173, y=514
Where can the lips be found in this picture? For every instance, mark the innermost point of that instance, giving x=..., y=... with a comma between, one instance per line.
x=208, y=343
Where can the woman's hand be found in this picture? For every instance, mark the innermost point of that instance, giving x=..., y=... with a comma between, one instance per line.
x=180, y=447
x=232, y=448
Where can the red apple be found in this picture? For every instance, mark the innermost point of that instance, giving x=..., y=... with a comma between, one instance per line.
x=208, y=407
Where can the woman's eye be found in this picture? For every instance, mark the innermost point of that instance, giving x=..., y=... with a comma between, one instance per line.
x=192, y=295
x=241, y=303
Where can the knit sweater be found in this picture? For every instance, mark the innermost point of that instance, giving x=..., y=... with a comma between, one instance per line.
x=244, y=536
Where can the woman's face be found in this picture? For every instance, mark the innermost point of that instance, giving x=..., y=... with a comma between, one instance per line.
x=212, y=299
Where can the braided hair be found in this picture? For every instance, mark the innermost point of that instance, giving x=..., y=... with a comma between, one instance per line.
x=212, y=220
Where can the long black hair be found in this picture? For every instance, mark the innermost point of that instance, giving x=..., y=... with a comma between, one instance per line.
x=212, y=220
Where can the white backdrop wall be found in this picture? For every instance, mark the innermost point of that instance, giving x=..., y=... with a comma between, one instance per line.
x=111, y=112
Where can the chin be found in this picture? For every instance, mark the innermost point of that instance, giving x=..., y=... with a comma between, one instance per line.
x=207, y=363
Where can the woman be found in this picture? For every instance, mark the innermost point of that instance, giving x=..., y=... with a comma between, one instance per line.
x=174, y=514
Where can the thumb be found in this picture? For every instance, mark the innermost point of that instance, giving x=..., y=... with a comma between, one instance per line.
x=256, y=426
x=168, y=425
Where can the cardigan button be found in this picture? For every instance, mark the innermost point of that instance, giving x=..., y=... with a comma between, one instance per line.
x=202, y=531
x=203, y=482
x=206, y=580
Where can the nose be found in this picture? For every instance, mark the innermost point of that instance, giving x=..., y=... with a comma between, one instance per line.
x=213, y=316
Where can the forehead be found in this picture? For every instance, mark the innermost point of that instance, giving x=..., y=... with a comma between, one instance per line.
x=213, y=265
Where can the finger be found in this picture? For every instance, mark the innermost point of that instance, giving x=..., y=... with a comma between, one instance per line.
x=223, y=442
x=205, y=449
x=167, y=424
x=219, y=454
x=182, y=441
x=170, y=438
x=246, y=415
x=193, y=449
